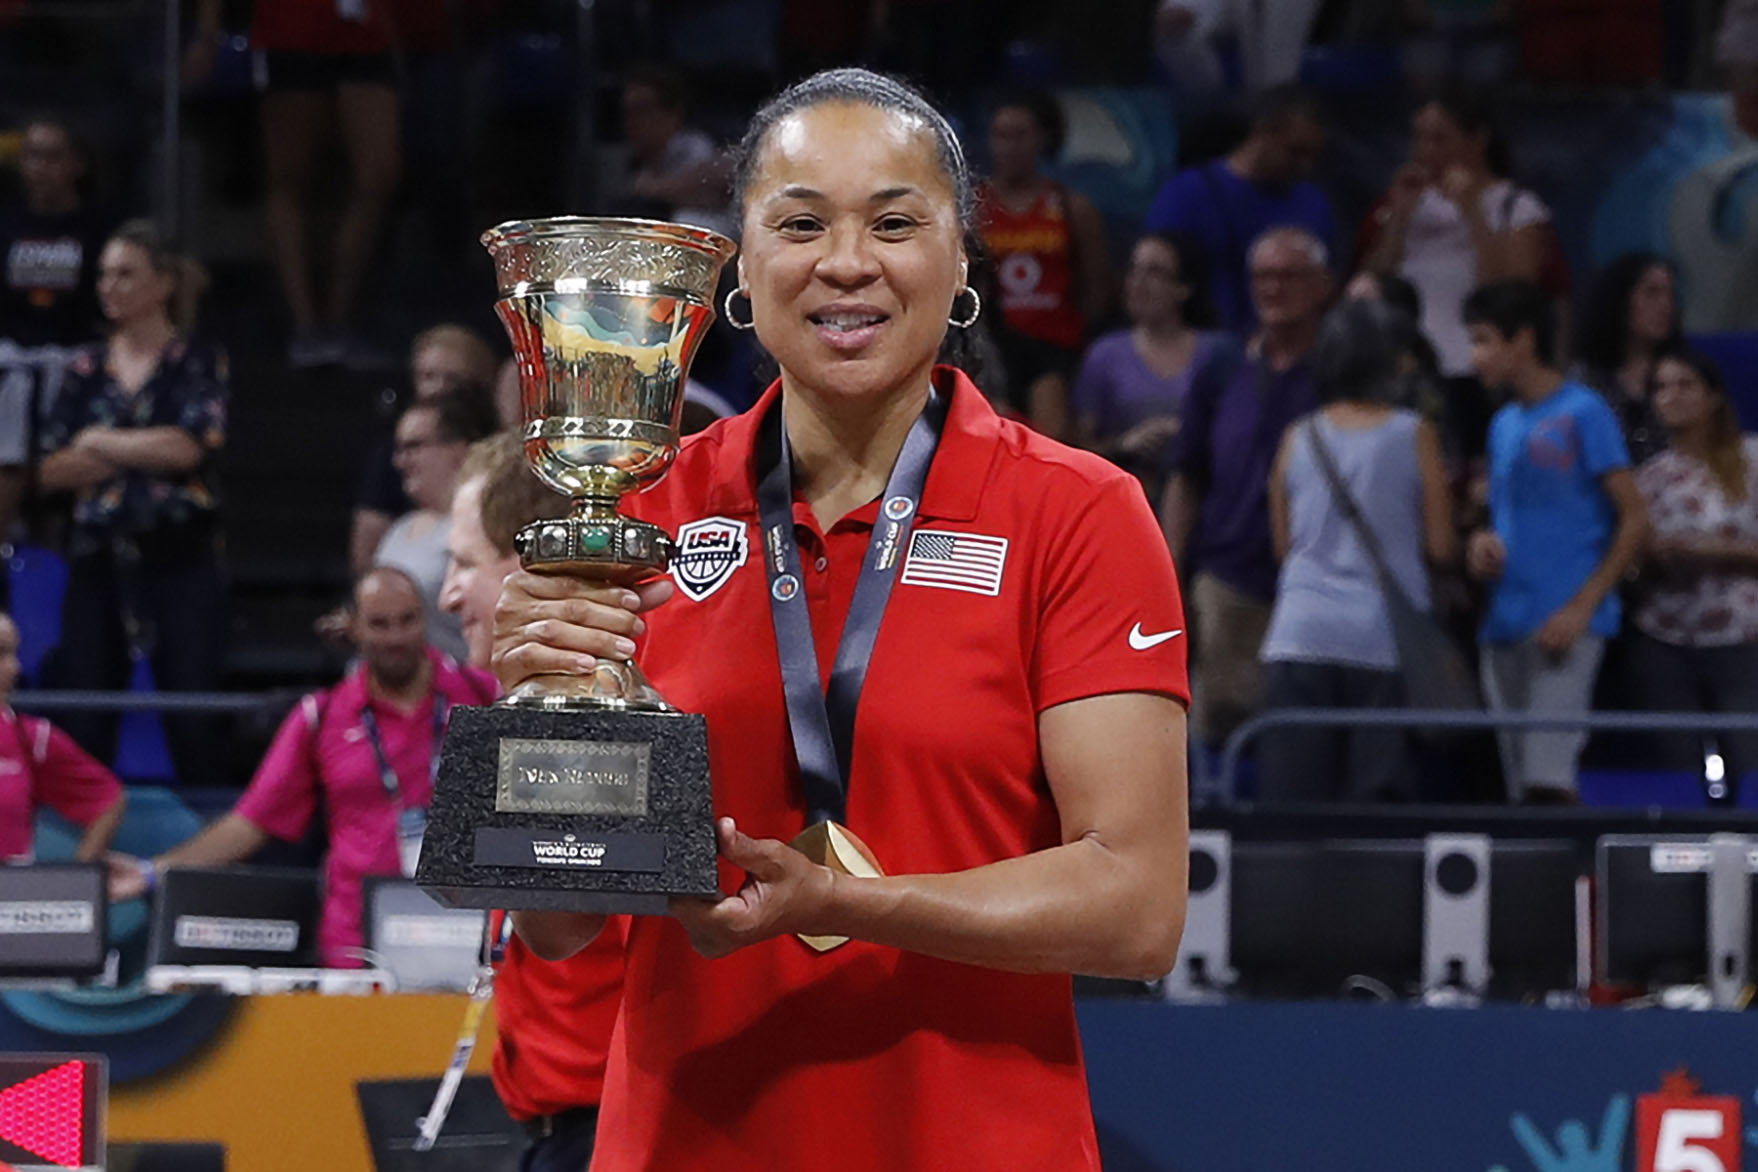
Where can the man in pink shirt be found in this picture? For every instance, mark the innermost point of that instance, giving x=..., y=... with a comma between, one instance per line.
x=41, y=766
x=363, y=751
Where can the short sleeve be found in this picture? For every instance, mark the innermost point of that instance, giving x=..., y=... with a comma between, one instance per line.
x=202, y=396
x=69, y=780
x=1110, y=619
x=282, y=798
x=72, y=409
x=1602, y=438
x=1092, y=384
x=1527, y=210
x=1175, y=207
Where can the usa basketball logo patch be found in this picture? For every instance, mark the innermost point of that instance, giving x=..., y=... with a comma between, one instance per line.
x=709, y=551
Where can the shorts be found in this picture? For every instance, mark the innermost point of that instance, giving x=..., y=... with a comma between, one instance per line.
x=284, y=71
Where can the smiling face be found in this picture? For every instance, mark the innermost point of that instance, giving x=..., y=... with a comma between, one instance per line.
x=426, y=458
x=1438, y=142
x=852, y=250
x=129, y=288
x=475, y=573
x=389, y=626
x=1153, y=289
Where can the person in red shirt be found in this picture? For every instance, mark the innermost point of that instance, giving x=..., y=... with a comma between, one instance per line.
x=42, y=766
x=362, y=752
x=553, y=1021
x=1016, y=770
x=1048, y=246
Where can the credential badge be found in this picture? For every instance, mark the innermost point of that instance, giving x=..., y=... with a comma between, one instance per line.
x=709, y=551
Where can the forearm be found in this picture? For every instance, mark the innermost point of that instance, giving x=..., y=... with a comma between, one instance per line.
x=73, y=469
x=556, y=936
x=1387, y=253
x=1178, y=509
x=1080, y=907
x=231, y=839
x=149, y=449
x=1627, y=544
x=96, y=839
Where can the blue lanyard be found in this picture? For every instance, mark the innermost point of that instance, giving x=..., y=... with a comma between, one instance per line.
x=822, y=721
x=386, y=775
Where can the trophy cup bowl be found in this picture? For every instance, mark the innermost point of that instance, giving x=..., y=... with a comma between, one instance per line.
x=587, y=792
x=605, y=316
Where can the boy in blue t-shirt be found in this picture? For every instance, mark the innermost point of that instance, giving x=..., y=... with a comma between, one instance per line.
x=1566, y=522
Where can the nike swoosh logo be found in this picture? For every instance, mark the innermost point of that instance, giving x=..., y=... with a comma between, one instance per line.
x=1142, y=642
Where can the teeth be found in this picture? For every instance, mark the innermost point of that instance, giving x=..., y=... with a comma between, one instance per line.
x=845, y=322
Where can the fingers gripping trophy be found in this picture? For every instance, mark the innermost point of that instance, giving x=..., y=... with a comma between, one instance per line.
x=587, y=793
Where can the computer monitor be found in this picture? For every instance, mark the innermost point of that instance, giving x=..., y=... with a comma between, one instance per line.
x=1532, y=917
x=1371, y=914
x=421, y=944
x=1653, y=911
x=1274, y=922
x=53, y=921
x=252, y=917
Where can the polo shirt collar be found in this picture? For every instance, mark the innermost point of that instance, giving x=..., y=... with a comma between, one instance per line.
x=962, y=465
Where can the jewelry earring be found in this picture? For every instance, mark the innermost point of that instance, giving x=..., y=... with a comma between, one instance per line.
x=976, y=309
x=732, y=319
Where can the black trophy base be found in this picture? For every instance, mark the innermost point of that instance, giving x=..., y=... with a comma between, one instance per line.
x=584, y=811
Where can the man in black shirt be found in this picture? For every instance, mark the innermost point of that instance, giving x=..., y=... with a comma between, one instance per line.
x=49, y=250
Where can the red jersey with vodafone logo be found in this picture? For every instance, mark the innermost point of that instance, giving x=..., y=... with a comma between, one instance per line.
x=1034, y=264
x=320, y=26
x=41, y=766
x=1028, y=566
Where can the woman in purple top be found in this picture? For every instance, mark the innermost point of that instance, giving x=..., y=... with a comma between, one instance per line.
x=1128, y=399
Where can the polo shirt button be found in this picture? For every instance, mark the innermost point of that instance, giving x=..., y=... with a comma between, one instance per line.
x=821, y=564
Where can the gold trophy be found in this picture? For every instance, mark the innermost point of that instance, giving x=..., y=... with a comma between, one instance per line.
x=587, y=792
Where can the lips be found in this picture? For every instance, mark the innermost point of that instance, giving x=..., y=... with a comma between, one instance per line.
x=848, y=327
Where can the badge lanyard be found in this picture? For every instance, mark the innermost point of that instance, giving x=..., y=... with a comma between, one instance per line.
x=494, y=950
x=411, y=819
x=822, y=721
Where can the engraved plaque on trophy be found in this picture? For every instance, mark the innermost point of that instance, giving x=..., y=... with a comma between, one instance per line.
x=587, y=793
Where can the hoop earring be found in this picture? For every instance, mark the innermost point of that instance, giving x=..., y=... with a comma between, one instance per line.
x=732, y=319
x=976, y=309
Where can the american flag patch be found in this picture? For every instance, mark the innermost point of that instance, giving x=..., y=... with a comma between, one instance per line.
x=955, y=561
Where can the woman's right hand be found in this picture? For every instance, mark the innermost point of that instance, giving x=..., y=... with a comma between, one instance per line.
x=557, y=624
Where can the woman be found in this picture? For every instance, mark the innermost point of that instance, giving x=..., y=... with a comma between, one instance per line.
x=433, y=437
x=40, y=766
x=134, y=436
x=446, y=357
x=1048, y=244
x=1129, y=395
x=1451, y=222
x=1695, y=646
x=1018, y=767
x=1330, y=643
x=1632, y=317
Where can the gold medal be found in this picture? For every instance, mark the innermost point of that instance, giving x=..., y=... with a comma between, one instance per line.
x=833, y=845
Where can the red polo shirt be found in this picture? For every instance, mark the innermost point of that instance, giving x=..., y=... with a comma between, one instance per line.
x=553, y=1025
x=322, y=758
x=41, y=766
x=865, y=1057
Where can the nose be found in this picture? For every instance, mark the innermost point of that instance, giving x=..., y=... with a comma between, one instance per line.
x=849, y=261
x=451, y=595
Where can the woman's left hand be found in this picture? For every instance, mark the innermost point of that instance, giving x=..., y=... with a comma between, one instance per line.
x=784, y=892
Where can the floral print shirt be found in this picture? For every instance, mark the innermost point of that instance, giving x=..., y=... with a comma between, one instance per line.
x=1685, y=501
x=189, y=390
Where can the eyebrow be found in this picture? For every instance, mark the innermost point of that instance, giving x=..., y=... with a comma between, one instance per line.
x=797, y=191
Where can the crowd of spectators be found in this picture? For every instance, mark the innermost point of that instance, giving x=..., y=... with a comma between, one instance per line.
x=1320, y=415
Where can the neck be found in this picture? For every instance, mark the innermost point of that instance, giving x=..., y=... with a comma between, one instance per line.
x=1284, y=345
x=843, y=454
x=406, y=694
x=1017, y=184
x=1692, y=441
x=1536, y=384
x=1244, y=160
x=53, y=204
x=149, y=332
x=1170, y=330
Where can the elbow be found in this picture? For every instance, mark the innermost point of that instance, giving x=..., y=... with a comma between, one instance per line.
x=1155, y=951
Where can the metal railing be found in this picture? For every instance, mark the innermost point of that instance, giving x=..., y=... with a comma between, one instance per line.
x=1223, y=784
x=50, y=700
